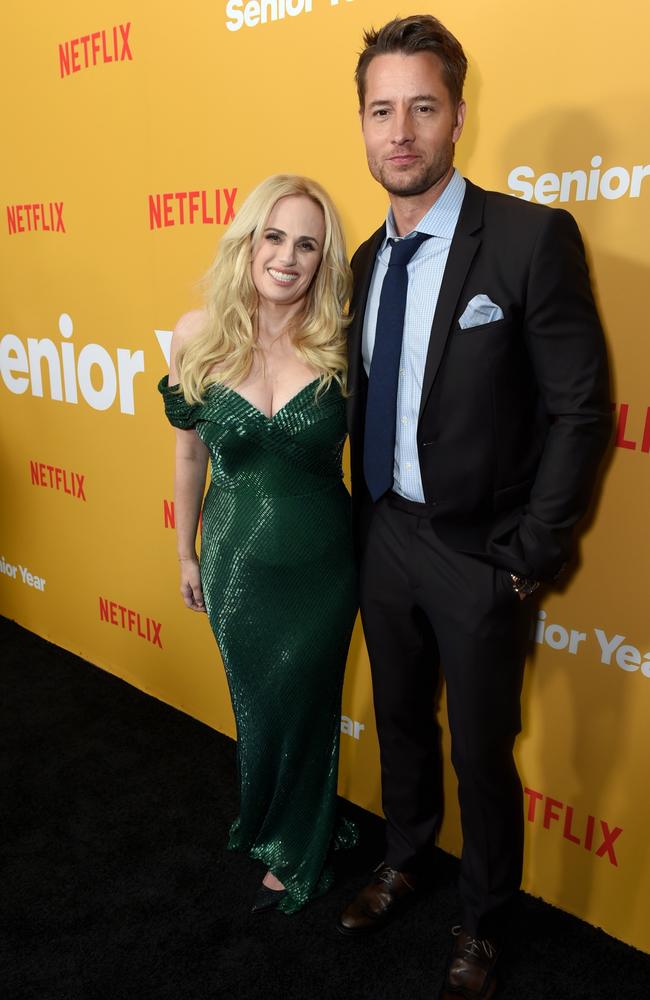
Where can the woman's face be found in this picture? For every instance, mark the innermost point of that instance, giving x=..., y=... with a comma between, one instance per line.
x=290, y=250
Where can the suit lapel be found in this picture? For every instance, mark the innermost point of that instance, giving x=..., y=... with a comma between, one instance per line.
x=465, y=243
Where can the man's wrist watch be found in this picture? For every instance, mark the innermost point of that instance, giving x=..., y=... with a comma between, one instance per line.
x=522, y=585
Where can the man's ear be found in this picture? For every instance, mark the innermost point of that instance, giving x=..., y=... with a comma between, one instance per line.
x=461, y=111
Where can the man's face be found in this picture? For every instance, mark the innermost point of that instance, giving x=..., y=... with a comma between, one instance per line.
x=409, y=122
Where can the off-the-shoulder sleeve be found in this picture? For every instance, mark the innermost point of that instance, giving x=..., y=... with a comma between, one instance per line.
x=179, y=413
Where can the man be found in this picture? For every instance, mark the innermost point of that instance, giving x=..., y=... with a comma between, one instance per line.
x=478, y=413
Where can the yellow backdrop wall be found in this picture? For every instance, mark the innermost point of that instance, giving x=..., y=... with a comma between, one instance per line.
x=132, y=133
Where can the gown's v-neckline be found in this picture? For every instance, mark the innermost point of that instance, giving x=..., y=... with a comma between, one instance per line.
x=256, y=409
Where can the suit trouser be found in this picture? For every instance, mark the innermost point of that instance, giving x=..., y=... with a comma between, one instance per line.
x=424, y=605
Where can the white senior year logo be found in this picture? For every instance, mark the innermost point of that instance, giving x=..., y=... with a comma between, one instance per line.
x=578, y=185
x=251, y=13
x=613, y=650
x=14, y=571
x=93, y=373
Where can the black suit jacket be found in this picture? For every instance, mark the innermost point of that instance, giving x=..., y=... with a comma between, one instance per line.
x=515, y=414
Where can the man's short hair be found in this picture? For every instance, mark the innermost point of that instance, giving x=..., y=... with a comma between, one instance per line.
x=408, y=35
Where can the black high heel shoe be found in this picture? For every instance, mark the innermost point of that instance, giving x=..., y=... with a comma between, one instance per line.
x=267, y=899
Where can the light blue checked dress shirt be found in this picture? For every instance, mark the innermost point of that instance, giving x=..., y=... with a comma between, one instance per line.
x=425, y=272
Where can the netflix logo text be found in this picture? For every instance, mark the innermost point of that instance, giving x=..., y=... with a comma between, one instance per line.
x=214, y=207
x=169, y=515
x=109, y=45
x=36, y=217
x=130, y=620
x=595, y=836
x=54, y=478
x=632, y=427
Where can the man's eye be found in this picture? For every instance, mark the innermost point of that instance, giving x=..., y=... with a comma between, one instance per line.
x=380, y=113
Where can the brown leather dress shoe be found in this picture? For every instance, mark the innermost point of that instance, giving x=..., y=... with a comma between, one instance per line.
x=470, y=972
x=374, y=906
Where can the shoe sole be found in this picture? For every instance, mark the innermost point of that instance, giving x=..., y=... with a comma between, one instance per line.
x=362, y=931
x=378, y=924
x=447, y=992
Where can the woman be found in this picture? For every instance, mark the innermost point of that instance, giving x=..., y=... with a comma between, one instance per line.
x=261, y=374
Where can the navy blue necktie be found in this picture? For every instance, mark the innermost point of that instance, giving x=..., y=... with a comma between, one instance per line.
x=381, y=407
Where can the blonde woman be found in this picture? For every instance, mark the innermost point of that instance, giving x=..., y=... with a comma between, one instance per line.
x=256, y=385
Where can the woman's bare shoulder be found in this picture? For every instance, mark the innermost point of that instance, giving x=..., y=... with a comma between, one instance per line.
x=189, y=324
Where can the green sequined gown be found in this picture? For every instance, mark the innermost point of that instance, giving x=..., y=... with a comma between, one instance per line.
x=280, y=592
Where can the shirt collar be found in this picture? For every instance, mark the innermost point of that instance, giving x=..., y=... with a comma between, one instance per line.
x=442, y=217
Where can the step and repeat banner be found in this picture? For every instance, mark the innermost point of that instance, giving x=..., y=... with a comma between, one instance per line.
x=132, y=133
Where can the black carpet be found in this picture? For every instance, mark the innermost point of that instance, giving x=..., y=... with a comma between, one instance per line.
x=115, y=883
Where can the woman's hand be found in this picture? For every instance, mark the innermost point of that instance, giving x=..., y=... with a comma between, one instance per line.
x=191, y=591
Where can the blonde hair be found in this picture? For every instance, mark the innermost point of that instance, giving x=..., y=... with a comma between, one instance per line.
x=224, y=349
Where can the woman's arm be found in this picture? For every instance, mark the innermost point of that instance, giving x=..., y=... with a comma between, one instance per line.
x=189, y=487
x=189, y=483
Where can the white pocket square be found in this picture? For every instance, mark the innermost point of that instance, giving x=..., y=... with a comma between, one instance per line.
x=480, y=310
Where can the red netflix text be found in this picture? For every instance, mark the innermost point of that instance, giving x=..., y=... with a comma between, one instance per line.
x=169, y=514
x=36, y=217
x=593, y=835
x=54, y=478
x=189, y=208
x=632, y=427
x=105, y=46
x=132, y=621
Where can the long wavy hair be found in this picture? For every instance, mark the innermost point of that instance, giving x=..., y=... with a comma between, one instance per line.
x=223, y=351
